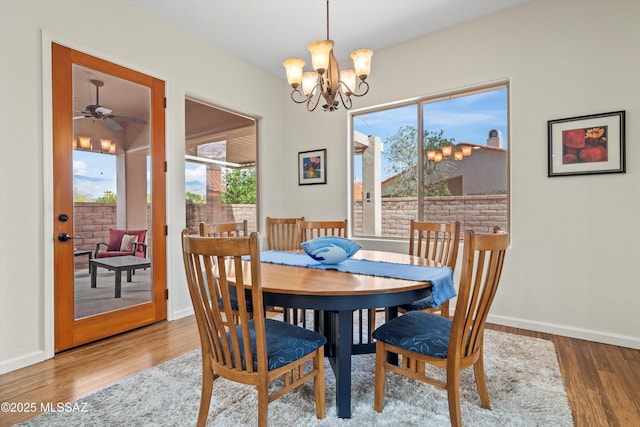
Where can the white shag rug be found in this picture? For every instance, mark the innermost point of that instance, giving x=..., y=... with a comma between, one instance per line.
x=523, y=376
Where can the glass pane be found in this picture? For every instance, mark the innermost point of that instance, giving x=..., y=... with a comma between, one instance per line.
x=465, y=172
x=111, y=192
x=385, y=153
x=220, y=166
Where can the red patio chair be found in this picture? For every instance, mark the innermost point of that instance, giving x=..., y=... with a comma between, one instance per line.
x=119, y=245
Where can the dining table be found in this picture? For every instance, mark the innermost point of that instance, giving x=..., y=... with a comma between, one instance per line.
x=335, y=296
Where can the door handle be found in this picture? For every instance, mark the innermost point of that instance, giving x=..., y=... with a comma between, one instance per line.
x=63, y=237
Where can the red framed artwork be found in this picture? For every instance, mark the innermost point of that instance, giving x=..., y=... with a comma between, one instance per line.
x=584, y=145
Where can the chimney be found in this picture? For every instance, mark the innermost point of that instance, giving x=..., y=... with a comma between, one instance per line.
x=495, y=139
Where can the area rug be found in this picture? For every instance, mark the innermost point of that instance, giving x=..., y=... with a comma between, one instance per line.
x=524, y=380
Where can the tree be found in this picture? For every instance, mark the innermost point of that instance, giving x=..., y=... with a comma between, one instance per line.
x=107, y=197
x=81, y=198
x=402, y=156
x=195, y=198
x=240, y=187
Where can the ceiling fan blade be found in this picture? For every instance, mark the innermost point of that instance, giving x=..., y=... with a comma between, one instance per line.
x=80, y=117
x=130, y=119
x=111, y=123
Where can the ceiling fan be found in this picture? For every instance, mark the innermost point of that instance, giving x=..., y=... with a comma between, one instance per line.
x=98, y=111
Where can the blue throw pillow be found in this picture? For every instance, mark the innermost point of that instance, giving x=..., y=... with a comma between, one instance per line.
x=330, y=249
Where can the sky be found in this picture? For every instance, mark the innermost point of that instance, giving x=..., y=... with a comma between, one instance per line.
x=93, y=173
x=465, y=119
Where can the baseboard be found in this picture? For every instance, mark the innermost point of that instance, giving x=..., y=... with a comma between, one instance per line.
x=22, y=361
x=566, y=331
x=179, y=314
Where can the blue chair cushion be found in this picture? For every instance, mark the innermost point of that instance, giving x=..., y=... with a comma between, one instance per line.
x=421, y=304
x=285, y=343
x=234, y=303
x=417, y=331
x=330, y=249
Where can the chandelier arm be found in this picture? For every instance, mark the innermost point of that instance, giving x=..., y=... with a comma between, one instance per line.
x=299, y=94
x=366, y=90
x=310, y=100
x=347, y=105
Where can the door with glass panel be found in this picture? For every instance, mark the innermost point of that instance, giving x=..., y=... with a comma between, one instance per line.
x=109, y=198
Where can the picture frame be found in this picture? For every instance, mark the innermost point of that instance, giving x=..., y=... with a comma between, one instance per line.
x=312, y=167
x=592, y=144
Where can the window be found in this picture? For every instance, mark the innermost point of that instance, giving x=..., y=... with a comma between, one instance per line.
x=457, y=170
x=220, y=166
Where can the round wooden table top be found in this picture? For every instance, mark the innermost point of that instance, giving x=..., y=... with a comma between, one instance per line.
x=292, y=280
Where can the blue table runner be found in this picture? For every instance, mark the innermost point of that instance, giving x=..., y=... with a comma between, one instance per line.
x=441, y=278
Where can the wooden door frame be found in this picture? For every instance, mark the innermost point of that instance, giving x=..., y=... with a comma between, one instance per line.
x=57, y=336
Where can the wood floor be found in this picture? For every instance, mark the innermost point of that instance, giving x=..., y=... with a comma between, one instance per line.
x=602, y=381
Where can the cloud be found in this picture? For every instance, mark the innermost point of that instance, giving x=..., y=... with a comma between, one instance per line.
x=79, y=167
x=195, y=173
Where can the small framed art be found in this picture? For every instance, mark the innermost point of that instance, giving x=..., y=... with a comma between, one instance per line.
x=312, y=167
x=584, y=145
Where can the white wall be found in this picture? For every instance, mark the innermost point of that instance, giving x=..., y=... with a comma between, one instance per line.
x=119, y=32
x=574, y=240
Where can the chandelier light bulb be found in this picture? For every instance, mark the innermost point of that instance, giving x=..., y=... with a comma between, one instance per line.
x=320, y=52
x=362, y=62
x=309, y=82
x=294, y=68
x=348, y=77
x=105, y=144
x=85, y=142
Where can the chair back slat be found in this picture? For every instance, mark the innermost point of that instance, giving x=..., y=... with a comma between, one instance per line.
x=282, y=233
x=482, y=263
x=435, y=241
x=215, y=269
x=228, y=229
x=308, y=230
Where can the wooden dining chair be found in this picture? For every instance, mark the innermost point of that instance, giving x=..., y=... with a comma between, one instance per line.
x=452, y=344
x=437, y=242
x=230, y=229
x=282, y=233
x=225, y=229
x=308, y=230
x=257, y=350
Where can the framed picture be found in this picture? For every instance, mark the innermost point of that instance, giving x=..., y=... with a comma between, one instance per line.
x=586, y=144
x=312, y=167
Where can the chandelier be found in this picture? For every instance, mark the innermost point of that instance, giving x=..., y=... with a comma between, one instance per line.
x=327, y=80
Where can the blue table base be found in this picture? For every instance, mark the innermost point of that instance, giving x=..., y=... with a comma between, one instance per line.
x=335, y=322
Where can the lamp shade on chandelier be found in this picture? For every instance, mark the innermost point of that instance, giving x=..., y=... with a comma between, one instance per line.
x=327, y=81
